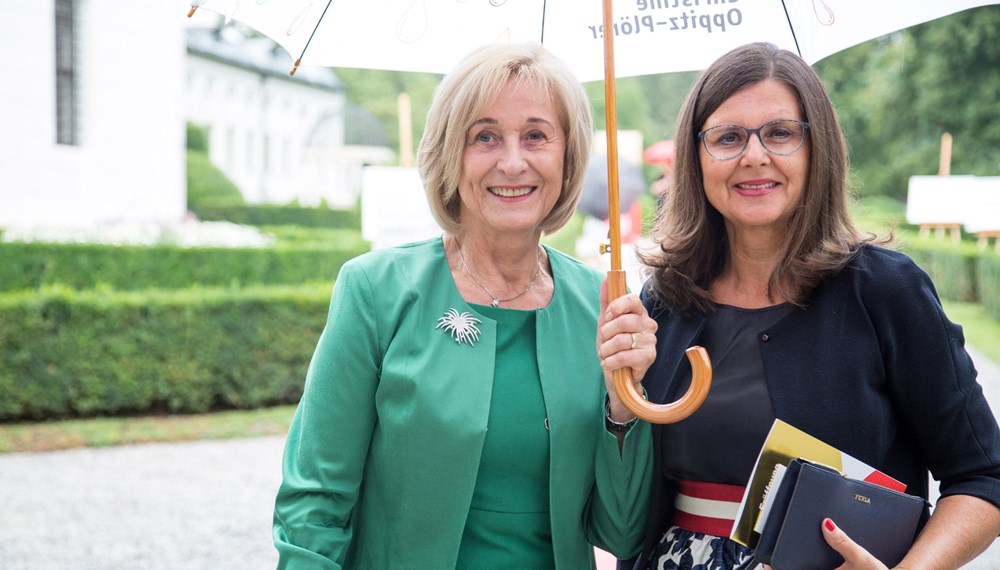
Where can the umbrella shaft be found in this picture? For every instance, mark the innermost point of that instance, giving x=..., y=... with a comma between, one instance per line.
x=611, y=128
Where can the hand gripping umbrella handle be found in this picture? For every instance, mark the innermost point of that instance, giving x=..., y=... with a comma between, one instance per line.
x=701, y=378
x=701, y=368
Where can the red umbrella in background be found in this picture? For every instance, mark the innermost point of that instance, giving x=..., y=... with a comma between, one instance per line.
x=659, y=153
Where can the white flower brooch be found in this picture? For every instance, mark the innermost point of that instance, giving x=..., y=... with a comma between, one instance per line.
x=461, y=327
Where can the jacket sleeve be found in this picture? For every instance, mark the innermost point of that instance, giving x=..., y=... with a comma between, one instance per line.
x=620, y=500
x=934, y=380
x=328, y=440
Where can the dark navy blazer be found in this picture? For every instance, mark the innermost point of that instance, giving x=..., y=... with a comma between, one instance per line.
x=873, y=367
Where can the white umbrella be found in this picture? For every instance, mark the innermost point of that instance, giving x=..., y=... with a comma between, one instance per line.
x=652, y=36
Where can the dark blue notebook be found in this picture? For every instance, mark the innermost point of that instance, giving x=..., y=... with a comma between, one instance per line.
x=883, y=521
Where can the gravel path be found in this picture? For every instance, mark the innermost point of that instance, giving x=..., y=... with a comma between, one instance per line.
x=182, y=506
x=202, y=505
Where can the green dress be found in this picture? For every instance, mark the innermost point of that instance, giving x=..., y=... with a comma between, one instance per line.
x=383, y=453
x=509, y=524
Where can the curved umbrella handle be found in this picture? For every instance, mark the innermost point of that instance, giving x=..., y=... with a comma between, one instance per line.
x=701, y=381
x=701, y=378
x=701, y=368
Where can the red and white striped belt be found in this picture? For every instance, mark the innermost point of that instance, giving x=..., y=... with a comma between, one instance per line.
x=708, y=508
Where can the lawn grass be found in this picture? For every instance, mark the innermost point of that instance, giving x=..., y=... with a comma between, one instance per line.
x=103, y=432
x=981, y=331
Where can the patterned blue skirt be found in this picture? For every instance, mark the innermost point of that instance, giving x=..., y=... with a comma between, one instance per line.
x=682, y=549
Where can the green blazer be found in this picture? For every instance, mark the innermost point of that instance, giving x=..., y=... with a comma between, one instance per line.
x=383, y=451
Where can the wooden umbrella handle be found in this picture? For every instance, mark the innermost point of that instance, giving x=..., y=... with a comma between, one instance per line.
x=701, y=378
x=701, y=367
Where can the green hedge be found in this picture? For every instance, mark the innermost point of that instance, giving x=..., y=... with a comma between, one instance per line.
x=207, y=185
x=951, y=266
x=274, y=215
x=197, y=137
x=988, y=272
x=77, y=354
x=84, y=266
x=299, y=236
x=960, y=271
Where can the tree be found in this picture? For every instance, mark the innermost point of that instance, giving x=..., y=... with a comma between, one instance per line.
x=207, y=185
x=377, y=91
x=897, y=95
x=953, y=69
x=648, y=103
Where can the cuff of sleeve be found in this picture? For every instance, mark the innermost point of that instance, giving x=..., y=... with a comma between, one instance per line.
x=613, y=426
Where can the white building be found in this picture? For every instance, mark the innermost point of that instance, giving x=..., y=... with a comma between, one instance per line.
x=92, y=117
x=278, y=138
x=91, y=131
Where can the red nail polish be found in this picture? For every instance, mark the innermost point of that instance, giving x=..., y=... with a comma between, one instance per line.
x=829, y=525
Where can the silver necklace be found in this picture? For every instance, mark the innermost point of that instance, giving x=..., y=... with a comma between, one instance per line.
x=496, y=300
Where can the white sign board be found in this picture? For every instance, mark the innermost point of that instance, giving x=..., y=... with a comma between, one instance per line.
x=973, y=201
x=938, y=199
x=394, y=207
x=985, y=214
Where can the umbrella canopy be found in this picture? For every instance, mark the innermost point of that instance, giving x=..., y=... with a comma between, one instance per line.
x=594, y=198
x=655, y=36
x=651, y=36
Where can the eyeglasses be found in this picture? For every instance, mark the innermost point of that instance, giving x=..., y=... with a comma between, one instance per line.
x=781, y=137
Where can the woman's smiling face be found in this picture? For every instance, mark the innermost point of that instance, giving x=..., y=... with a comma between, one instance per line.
x=512, y=165
x=757, y=189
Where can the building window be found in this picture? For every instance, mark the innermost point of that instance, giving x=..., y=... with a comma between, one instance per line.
x=66, y=81
x=286, y=153
x=266, y=155
x=250, y=153
x=230, y=146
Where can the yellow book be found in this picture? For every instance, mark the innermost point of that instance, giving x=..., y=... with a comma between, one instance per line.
x=783, y=443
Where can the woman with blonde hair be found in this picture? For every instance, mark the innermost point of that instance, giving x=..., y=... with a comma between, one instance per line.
x=456, y=414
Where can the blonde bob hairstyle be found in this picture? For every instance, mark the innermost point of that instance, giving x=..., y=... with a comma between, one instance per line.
x=462, y=97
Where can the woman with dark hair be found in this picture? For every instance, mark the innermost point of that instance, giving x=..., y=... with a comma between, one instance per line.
x=806, y=320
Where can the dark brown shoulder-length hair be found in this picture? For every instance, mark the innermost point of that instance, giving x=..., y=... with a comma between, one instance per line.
x=692, y=246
